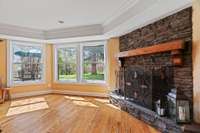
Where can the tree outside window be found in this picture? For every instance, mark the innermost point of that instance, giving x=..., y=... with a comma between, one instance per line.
x=67, y=63
x=84, y=62
x=27, y=63
x=93, y=62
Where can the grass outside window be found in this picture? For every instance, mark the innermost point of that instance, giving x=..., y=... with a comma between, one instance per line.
x=86, y=76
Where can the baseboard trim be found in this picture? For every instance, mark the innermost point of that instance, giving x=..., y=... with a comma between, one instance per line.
x=64, y=92
x=79, y=93
x=29, y=94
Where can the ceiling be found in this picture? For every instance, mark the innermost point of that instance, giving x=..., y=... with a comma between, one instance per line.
x=45, y=14
x=38, y=19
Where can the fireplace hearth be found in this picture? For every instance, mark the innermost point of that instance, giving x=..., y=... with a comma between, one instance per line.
x=150, y=117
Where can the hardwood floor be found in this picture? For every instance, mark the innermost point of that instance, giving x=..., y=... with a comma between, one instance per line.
x=68, y=114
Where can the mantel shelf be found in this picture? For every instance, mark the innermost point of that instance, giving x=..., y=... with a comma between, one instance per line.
x=159, y=48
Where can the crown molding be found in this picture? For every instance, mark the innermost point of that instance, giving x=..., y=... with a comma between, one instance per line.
x=77, y=39
x=135, y=10
x=131, y=15
x=132, y=19
x=19, y=38
x=125, y=7
x=74, y=34
x=56, y=41
x=89, y=30
x=17, y=32
x=23, y=32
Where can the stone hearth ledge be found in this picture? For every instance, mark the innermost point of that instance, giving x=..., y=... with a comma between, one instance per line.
x=161, y=123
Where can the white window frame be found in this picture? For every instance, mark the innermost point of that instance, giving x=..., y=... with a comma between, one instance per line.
x=79, y=62
x=56, y=48
x=105, y=61
x=10, y=55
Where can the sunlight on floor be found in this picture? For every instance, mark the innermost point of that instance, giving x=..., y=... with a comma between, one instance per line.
x=80, y=101
x=27, y=105
x=27, y=101
x=74, y=98
x=102, y=100
x=83, y=103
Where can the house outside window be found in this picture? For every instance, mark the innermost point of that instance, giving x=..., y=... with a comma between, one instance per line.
x=93, y=63
x=26, y=63
x=83, y=62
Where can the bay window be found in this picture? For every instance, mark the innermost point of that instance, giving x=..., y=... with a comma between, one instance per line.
x=67, y=63
x=80, y=62
x=26, y=63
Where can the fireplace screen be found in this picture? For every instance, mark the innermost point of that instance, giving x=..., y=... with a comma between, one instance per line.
x=146, y=86
x=138, y=86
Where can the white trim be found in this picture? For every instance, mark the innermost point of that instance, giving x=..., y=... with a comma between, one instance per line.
x=82, y=83
x=52, y=91
x=27, y=83
x=126, y=6
x=10, y=45
x=13, y=30
x=29, y=94
x=7, y=30
x=79, y=93
x=88, y=30
x=81, y=65
x=106, y=63
x=78, y=39
x=19, y=38
x=78, y=62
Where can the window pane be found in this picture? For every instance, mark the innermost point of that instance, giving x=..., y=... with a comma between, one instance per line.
x=27, y=64
x=67, y=63
x=93, y=62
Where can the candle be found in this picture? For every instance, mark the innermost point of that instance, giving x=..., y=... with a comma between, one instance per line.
x=182, y=113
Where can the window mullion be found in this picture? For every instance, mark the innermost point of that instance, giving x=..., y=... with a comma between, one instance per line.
x=78, y=63
x=81, y=63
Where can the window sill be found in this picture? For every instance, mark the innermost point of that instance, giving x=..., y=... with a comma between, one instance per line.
x=16, y=84
x=104, y=84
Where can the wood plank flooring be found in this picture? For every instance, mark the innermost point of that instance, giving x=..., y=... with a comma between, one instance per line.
x=67, y=114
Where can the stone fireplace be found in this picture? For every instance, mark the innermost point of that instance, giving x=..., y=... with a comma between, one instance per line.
x=145, y=79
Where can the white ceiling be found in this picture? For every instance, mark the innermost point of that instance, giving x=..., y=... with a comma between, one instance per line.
x=83, y=19
x=45, y=14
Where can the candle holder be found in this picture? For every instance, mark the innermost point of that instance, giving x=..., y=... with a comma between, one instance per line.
x=183, y=111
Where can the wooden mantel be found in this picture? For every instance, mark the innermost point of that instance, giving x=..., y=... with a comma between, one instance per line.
x=163, y=47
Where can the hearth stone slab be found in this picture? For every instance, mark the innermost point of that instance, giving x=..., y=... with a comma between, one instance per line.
x=162, y=124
